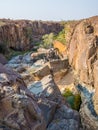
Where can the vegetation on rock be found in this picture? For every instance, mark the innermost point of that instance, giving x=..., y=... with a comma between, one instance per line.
x=73, y=99
x=61, y=37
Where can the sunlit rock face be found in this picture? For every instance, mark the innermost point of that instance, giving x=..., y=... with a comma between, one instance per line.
x=20, y=34
x=83, y=49
x=83, y=57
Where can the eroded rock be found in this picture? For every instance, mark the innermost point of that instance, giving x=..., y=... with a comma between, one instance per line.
x=83, y=56
x=22, y=110
x=41, y=72
x=65, y=119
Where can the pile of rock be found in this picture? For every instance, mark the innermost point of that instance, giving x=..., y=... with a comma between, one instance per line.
x=21, y=108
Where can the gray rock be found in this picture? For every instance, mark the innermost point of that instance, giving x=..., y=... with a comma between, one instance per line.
x=89, y=118
x=46, y=88
x=65, y=119
x=36, y=87
x=64, y=112
x=64, y=124
x=48, y=109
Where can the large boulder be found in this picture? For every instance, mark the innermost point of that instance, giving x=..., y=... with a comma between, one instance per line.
x=58, y=65
x=26, y=114
x=48, y=109
x=65, y=119
x=41, y=72
x=46, y=88
x=18, y=106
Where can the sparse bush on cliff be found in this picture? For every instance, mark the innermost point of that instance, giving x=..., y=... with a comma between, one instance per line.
x=73, y=99
x=47, y=39
x=61, y=37
x=64, y=35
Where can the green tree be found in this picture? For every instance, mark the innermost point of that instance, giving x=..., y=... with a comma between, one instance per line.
x=48, y=40
x=61, y=36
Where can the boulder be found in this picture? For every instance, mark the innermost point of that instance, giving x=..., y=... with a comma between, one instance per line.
x=48, y=109
x=18, y=106
x=41, y=72
x=65, y=119
x=46, y=88
x=61, y=49
x=58, y=65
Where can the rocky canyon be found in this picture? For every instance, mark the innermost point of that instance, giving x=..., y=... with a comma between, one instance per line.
x=41, y=90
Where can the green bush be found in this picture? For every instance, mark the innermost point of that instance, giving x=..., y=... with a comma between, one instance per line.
x=73, y=99
x=67, y=93
x=77, y=101
x=61, y=37
x=47, y=40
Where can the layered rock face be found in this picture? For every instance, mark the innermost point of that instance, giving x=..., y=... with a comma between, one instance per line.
x=83, y=57
x=83, y=50
x=20, y=34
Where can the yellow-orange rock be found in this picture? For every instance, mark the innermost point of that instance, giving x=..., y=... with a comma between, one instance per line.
x=61, y=48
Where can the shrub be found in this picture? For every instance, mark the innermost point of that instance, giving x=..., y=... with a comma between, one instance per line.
x=61, y=36
x=73, y=99
x=47, y=40
x=77, y=101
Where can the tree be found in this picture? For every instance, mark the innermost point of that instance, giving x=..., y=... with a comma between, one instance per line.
x=61, y=36
x=48, y=40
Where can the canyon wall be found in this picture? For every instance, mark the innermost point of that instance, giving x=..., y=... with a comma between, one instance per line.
x=83, y=50
x=21, y=34
x=83, y=57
